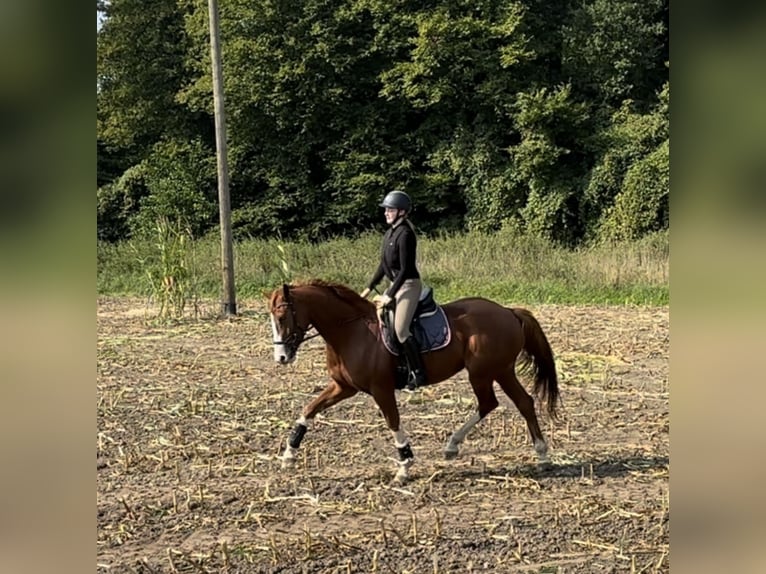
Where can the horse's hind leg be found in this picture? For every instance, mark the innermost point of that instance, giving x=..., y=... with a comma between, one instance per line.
x=526, y=405
x=482, y=388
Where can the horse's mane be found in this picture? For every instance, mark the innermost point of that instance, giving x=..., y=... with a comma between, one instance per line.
x=343, y=293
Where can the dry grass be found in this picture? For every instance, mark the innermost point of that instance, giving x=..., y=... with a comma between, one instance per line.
x=191, y=418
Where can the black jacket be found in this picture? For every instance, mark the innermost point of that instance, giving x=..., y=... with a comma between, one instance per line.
x=397, y=257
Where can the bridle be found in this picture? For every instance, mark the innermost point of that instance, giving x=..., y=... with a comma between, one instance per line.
x=298, y=336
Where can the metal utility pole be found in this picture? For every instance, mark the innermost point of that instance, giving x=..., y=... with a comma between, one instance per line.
x=227, y=250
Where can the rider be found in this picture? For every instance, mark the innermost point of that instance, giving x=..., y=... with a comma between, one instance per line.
x=397, y=262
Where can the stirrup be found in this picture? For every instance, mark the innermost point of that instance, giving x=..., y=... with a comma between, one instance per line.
x=412, y=384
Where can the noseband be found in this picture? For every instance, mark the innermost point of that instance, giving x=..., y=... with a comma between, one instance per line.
x=298, y=336
x=294, y=339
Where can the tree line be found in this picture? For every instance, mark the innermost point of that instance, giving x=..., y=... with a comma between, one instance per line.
x=549, y=116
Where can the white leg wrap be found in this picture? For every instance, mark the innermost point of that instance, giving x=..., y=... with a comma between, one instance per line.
x=401, y=441
x=290, y=453
x=400, y=438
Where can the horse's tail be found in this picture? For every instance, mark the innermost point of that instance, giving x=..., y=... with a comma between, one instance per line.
x=537, y=359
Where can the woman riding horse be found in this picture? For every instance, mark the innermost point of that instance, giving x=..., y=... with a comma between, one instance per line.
x=398, y=263
x=486, y=340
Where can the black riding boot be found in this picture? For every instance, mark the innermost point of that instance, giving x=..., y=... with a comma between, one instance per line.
x=415, y=363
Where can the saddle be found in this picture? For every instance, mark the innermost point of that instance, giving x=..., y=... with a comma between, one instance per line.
x=429, y=326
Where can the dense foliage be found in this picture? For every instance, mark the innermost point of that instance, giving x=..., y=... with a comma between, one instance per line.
x=548, y=117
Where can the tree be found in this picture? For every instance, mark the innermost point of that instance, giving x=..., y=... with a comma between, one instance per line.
x=549, y=161
x=627, y=193
x=614, y=50
x=533, y=113
x=141, y=48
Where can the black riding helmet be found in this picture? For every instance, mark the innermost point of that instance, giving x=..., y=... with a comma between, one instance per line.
x=397, y=200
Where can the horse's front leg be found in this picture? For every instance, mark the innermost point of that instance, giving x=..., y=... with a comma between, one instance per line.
x=387, y=403
x=333, y=393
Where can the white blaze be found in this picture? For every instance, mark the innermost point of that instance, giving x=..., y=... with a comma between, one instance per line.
x=280, y=351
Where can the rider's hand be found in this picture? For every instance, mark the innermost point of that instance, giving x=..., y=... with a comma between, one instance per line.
x=385, y=300
x=364, y=293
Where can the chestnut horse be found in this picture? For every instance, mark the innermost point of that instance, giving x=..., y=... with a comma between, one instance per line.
x=486, y=340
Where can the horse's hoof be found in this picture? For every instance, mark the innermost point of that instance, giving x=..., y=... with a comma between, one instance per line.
x=450, y=454
x=401, y=478
x=288, y=463
x=402, y=473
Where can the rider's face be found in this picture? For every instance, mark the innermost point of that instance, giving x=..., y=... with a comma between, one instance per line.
x=391, y=214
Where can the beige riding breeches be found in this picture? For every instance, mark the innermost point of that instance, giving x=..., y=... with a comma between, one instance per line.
x=406, y=302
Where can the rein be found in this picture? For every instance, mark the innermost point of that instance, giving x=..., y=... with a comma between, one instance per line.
x=305, y=338
x=302, y=337
x=344, y=322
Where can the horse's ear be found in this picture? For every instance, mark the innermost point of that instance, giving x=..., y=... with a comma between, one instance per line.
x=286, y=292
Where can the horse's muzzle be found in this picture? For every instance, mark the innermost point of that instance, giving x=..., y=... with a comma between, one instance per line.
x=282, y=355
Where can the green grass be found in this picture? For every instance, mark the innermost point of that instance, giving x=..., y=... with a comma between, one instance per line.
x=501, y=266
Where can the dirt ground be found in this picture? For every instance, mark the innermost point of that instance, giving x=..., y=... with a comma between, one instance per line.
x=193, y=416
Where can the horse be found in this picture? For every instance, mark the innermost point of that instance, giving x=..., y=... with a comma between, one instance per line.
x=487, y=338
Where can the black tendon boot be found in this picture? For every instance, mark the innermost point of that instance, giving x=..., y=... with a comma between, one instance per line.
x=415, y=362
